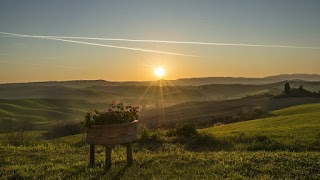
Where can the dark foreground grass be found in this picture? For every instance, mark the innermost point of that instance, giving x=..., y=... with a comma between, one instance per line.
x=61, y=161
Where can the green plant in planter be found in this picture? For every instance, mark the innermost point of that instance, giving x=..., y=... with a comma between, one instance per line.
x=117, y=114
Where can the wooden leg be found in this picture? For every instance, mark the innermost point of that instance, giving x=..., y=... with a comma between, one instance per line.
x=108, y=157
x=91, y=156
x=129, y=153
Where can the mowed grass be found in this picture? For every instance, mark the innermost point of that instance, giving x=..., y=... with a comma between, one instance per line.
x=285, y=146
x=295, y=127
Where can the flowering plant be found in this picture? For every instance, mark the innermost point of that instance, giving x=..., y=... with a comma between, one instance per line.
x=117, y=114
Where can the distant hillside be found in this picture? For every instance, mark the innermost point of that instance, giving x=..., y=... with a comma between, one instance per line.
x=42, y=103
x=179, y=82
x=42, y=111
x=243, y=80
x=148, y=95
x=201, y=112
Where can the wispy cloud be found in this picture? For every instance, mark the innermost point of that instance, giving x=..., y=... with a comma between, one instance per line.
x=57, y=38
x=178, y=42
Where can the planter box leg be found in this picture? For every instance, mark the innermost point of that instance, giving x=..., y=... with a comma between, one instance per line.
x=108, y=157
x=91, y=156
x=129, y=153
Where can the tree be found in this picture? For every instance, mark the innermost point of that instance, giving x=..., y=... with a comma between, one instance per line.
x=287, y=89
x=301, y=88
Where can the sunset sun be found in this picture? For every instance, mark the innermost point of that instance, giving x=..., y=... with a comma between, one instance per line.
x=160, y=72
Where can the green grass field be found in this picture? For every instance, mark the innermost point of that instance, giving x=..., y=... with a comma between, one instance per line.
x=285, y=146
x=296, y=127
x=61, y=161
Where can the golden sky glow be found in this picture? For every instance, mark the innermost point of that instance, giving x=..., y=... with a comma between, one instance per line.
x=126, y=41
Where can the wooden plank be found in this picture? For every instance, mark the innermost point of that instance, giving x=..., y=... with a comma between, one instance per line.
x=108, y=157
x=129, y=153
x=91, y=156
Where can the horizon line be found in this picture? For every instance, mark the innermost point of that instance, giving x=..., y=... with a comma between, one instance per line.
x=121, y=81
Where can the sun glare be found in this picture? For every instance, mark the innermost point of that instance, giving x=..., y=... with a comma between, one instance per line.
x=159, y=72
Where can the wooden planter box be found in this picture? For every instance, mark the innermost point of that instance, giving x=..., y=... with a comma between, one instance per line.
x=109, y=135
x=112, y=134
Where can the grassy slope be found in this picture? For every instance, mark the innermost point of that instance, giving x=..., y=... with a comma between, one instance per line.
x=294, y=126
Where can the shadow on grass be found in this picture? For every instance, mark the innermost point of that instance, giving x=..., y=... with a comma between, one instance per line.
x=150, y=140
x=193, y=140
x=121, y=172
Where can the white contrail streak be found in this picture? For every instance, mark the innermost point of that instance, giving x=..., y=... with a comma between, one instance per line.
x=57, y=38
x=183, y=42
x=190, y=42
x=173, y=42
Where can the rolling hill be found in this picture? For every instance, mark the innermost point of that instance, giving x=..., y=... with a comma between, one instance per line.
x=148, y=95
x=42, y=111
x=67, y=101
x=201, y=112
x=296, y=126
x=178, y=82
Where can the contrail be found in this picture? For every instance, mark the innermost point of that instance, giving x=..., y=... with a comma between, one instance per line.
x=181, y=42
x=172, y=42
x=57, y=38
x=189, y=42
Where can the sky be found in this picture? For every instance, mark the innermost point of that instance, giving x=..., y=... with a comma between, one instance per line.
x=288, y=30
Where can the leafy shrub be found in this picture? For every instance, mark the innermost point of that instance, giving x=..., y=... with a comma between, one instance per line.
x=61, y=130
x=189, y=136
x=117, y=114
x=148, y=136
x=186, y=130
x=204, y=141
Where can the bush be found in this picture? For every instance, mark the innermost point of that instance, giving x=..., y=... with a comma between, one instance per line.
x=61, y=130
x=203, y=141
x=189, y=136
x=147, y=136
x=187, y=130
